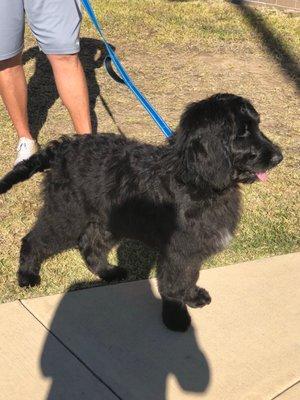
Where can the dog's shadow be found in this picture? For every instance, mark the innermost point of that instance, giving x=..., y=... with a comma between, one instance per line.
x=42, y=92
x=117, y=333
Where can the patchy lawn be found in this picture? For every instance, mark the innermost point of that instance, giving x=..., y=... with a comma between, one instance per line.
x=177, y=52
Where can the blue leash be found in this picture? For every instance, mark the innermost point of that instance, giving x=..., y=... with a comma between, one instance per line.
x=125, y=78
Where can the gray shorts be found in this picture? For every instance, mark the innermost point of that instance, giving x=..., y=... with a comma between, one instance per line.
x=54, y=23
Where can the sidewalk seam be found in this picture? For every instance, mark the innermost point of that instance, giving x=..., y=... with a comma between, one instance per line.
x=72, y=352
x=285, y=390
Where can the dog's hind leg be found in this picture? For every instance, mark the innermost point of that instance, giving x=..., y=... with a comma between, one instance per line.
x=94, y=245
x=50, y=235
x=30, y=261
x=39, y=244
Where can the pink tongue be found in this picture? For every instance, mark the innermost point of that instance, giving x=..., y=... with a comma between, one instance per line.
x=262, y=176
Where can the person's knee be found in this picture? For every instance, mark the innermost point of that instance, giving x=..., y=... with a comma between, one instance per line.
x=65, y=59
x=11, y=62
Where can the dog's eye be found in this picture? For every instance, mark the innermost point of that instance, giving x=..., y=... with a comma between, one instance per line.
x=244, y=134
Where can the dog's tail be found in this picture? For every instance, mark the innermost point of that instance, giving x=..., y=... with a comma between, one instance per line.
x=38, y=162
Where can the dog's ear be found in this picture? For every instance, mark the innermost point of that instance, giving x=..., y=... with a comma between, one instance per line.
x=205, y=152
x=208, y=160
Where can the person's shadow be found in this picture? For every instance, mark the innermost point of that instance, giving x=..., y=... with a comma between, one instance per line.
x=116, y=333
x=42, y=92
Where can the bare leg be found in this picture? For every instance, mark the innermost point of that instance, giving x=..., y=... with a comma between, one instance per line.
x=13, y=90
x=72, y=88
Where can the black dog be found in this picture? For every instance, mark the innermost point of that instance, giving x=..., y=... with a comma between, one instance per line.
x=181, y=198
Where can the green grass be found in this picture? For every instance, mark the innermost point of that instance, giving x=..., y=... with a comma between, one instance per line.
x=177, y=52
x=207, y=23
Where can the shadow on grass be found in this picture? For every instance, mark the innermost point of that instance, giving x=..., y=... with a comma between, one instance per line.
x=42, y=92
x=116, y=334
x=273, y=45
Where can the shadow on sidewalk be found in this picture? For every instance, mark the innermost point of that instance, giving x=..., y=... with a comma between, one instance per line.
x=117, y=333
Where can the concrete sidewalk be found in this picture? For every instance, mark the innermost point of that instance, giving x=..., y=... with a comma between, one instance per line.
x=109, y=343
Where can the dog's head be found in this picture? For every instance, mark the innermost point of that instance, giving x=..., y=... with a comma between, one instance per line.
x=220, y=143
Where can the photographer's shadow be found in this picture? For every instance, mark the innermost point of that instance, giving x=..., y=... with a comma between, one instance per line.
x=117, y=333
x=42, y=92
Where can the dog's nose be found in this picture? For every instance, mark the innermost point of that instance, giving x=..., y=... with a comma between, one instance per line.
x=277, y=158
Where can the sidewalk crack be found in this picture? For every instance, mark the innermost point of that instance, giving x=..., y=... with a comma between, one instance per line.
x=85, y=365
x=285, y=390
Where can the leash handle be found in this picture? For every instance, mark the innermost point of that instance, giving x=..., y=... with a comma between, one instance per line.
x=124, y=76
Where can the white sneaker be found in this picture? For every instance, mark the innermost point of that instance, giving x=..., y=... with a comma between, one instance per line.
x=26, y=148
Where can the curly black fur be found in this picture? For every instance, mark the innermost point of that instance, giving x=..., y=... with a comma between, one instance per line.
x=181, y=198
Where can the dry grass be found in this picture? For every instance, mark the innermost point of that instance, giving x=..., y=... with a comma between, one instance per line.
x=177, y=52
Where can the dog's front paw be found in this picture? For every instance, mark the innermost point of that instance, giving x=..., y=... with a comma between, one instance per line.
x=175, y=316
x=198, y=298
x=27, y=279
